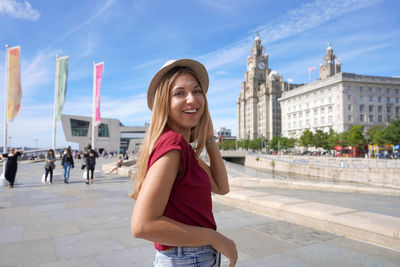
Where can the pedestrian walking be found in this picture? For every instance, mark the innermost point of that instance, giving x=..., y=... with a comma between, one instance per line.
x=11, y=165
x=67, y=163
x=173, y=186
x=49, y=165
x=90, y=158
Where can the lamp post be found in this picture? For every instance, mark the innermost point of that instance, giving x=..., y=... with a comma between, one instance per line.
x=36, y=140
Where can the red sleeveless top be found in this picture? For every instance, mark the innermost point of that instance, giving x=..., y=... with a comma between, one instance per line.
x=190, y=199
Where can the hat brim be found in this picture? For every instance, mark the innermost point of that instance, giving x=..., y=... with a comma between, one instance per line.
x=198, y=68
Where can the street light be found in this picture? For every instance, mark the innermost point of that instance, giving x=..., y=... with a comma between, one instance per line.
x=36, y=140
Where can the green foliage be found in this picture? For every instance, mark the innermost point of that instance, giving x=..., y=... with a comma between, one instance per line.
x=356, y=135
x=227, y=145
x=391, y=134
x=374, y=134
x=306, y=139
x=320, y=139
x=274, y=142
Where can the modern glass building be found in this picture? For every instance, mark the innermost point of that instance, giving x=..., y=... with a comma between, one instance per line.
x=111, y=134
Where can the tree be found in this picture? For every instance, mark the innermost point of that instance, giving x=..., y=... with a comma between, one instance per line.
x=356, y=135
x=274, y=142
x=373, y=133
x=306, y=138
x=391, y=133
x=320, y=139
x=332, y=139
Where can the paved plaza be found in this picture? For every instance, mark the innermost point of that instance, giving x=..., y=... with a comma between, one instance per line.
x=89, y=225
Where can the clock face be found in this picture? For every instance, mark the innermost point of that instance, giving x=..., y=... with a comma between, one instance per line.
x=261, y=65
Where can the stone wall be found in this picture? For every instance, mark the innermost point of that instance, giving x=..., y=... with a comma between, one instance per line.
x=389, y=177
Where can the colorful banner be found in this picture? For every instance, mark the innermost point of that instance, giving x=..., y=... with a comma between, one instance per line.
x=98, y=75
x=13, y=82
x=61, y=85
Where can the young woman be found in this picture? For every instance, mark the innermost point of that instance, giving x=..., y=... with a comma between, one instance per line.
x=119, y=163
x=49, y=166
x=67, y=163
x=173, y=186
x=11, y=165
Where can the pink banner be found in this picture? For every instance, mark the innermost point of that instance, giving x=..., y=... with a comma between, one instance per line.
x=98, y=75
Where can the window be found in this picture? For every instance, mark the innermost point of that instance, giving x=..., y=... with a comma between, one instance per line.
x=370, y=108
x=388, y=90
x=379, y=90
x=349, y=118
x=371, y=98
x=396, y=91
x=307, y=114
x=387, y=99
x=369, y=89
x=388, y=109
x=349, y=107
x=361, y=98
x=389, y=118
x=361, y=108
x=307, y=122
x=397, y=110
x=379, y=99
x=308, y=105
x=371, y=118
x=322, y=110
x=379, y=118
x=79, y=127
x=380, y=109
x=348, y=97
x=330, y=109
x=397, y=100
x=330, y=119
x=361, y=118
x=322, y=119
x=315, y=112
x=315, y=121
x=361, y=89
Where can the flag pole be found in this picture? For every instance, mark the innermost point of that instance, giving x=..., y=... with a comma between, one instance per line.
x=309, y=72
x=94, y=103
x=55, y=105
x=5, y=113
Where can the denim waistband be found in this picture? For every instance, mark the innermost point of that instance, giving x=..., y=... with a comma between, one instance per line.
x=191, y=249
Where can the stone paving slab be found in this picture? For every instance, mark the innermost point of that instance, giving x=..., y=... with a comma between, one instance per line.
x=80, y=225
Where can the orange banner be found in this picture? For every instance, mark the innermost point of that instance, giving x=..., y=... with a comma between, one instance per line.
x=14, y=82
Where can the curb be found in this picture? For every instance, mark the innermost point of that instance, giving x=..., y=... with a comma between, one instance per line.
x=365, y=226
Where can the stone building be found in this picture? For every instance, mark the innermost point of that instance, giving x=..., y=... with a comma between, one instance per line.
x=258, y=109
x=339, y=100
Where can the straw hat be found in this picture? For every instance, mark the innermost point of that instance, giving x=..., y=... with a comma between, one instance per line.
x=195, y=66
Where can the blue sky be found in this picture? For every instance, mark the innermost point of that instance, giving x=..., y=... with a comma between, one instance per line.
x=134, y=39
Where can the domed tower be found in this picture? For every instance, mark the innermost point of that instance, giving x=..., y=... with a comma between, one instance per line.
x=330, y=65
x=257, y=103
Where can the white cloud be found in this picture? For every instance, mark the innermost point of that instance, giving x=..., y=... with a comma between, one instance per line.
x=295, y=21
x=86, y=22
x=18, y=9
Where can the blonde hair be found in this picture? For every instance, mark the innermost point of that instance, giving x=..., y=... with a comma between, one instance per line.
x=159, y=121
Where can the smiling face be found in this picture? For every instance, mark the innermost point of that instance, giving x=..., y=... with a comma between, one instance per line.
x=186, y=104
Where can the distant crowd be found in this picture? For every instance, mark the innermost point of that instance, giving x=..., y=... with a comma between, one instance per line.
x=68, y=158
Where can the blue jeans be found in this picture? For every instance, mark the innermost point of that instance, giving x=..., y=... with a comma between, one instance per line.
x=67, y=168
x=202, y=256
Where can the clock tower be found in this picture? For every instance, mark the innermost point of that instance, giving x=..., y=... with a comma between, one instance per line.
x=258, y=111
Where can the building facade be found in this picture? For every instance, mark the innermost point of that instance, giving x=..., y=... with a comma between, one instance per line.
x=258, y=109
x=111, y=134
x=339, y=100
